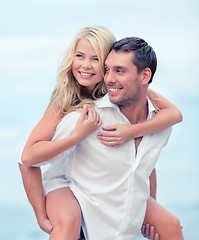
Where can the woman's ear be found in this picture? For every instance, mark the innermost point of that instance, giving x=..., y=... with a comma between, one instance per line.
x=146, y=76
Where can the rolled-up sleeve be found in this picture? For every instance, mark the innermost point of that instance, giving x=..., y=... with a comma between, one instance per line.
x=63, y=130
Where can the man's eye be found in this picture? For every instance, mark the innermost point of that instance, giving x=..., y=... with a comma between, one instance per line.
x=119, y=71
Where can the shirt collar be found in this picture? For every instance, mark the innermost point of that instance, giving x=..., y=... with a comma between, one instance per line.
x=151, y=109
x=104, y=102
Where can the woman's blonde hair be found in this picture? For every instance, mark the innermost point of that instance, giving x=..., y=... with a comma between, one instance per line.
x=68, y=93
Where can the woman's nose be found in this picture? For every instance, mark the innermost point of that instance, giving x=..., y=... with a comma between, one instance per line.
x=86, y=63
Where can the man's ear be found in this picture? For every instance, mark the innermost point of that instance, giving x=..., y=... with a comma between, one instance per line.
x=146, y=76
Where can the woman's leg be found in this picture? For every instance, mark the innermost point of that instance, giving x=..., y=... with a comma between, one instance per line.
x=166, y=224
x=64, y=213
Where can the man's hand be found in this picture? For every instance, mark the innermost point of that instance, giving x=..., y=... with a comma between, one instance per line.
x=148, y=231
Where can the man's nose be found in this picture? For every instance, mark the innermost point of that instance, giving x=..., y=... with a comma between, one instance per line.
x=109, y=77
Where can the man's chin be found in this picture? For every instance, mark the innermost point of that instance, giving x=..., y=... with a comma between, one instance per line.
x=113, y=99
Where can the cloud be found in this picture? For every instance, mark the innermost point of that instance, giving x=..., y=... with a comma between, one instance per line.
x=28, y=64
x=7, y=134
x=24, y=43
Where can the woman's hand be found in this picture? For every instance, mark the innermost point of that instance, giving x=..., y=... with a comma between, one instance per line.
x=88, y=122
x=116, y=135
x=45, y=225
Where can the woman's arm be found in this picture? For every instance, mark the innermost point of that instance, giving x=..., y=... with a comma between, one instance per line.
x=42, y=132
x=36, y=147
x=168, y=114
x=39, y=148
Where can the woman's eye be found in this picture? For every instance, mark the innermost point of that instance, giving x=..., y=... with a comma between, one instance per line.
x=96, y=59
x=78, y=56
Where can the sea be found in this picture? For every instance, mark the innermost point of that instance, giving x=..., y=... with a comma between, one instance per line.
x=17, y=222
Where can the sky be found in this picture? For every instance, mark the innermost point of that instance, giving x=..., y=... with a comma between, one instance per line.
x=35, y=34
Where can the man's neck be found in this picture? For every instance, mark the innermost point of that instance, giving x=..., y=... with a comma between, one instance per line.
x=137, y=113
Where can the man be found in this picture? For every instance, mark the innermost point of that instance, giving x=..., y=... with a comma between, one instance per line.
x=112, y=184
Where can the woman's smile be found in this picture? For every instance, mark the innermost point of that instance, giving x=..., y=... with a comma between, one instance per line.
x=86, y=74
x=85, y=66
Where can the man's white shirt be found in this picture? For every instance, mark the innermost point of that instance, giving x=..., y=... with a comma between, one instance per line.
x=110, y=183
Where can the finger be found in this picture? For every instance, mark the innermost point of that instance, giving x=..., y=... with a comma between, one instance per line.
x=152, y=232
x=147, y=230
x=99, y=123
x=91, y=115
x=84, y=112
x=143, y=229
x=94, y=118
x=157, y=236
x=94, y=114
x=48, y=226
x=109, y=128
x=97, y=116
x=110, y=144
x=106, y=134
x=107, y=139
x=93, y=109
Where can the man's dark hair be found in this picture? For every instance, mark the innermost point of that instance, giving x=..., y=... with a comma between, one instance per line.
x=144, y=55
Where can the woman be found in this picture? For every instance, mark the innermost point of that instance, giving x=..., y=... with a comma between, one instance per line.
x=80, y=80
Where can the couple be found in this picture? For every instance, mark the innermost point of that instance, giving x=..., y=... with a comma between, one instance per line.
x=97, y=165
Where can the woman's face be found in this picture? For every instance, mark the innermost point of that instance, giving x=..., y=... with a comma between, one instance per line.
x=85, y=65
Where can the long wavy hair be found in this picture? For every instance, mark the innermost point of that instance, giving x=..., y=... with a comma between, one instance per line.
x=68, y=94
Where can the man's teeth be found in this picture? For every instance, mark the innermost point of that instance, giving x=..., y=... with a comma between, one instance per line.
x=86, y=74
x=113, y=89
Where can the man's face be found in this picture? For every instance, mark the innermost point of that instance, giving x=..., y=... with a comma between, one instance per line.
x=122, y=79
